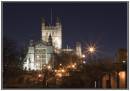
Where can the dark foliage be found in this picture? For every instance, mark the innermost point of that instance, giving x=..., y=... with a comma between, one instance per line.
x=65, y=59
x=11, y=62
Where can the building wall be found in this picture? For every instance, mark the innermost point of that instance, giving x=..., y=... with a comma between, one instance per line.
x=122, y=76
x=56, y=37
x=105, y=81
x=113, y=81
x=122, y=79
x=121, y=55
x=29, y=60
x=38, y=56
x=78, y=49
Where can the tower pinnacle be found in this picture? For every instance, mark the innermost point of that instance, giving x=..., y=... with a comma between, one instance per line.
x=43, y=20
x=58, y=20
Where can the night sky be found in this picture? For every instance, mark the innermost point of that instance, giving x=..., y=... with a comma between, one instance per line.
x=102, y=23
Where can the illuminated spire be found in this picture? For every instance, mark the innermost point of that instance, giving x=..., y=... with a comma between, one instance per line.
x=58, y=19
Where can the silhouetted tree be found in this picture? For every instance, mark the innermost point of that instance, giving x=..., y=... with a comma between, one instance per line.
x=10, y=60
x=10, y=54
x=65, y=59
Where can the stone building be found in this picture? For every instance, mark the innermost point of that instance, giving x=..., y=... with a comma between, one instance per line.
x=40, y=54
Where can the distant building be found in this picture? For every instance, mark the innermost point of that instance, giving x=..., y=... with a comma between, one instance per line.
x=117, y=78
x=68, y=50
x=114, y=80
x=121, y=55
x=40, y=54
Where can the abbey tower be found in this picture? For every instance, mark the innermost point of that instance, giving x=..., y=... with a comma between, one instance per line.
x=54, y=31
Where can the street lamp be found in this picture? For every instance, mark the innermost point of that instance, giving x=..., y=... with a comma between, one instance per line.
x=73, y=66
x=84, y=62
x=63, y=70
x=49, y=67
x=39, y=75
x=83, y=56
x=91, y=49
x=124, y=62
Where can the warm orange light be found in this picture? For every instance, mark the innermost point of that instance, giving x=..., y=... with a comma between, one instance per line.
x=39, y=75
x=122, y=74
x=73, y=66
x=91, y=49
x=44, y=65
x=49, y=67
x=55, y=70
x=59, y=75
x=62, y=70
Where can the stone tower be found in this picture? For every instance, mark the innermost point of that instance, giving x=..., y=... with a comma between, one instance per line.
x=55, y=32
x=78, y=49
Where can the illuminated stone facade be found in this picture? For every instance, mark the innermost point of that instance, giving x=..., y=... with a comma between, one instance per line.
x=78, y=49
x=39, y=54
x=54, y=31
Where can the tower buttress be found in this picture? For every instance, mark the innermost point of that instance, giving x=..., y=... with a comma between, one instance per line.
x=42, y=28
x=43, y=23
x=59, y=32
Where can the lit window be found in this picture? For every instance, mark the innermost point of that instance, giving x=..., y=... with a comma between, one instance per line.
x=37, y=56
x=124, y=61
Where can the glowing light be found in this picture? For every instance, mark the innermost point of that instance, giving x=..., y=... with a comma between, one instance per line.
x=59, y=75
x=44, y=65
x=62, y=70
x=37, y=56
x=49, y=67
x=83, y=56
x=39, y=75
x=73, y=66
x=124, y=61
x=55, y=70
x=84, y=62
x=91, y=49
x=60, y=64
x=122, y=74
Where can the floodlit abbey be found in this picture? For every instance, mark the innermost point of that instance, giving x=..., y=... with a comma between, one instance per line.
x=40, y=53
